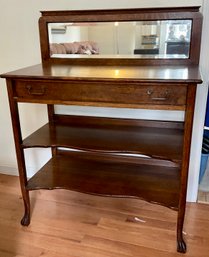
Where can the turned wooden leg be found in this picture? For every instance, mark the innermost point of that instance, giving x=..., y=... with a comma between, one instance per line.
x=189, y=112
x=19, y=152
x=181, y=245
x=25, y=221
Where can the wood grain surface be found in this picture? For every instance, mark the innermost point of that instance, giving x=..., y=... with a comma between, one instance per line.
x=69, y=224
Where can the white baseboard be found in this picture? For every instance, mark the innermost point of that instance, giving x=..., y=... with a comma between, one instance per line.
x=8, y=170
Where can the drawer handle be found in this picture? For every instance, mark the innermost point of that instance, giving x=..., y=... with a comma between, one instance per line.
x=163, y=98
x=31, y=91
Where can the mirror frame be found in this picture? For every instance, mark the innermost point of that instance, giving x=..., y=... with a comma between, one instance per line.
x=146, y=14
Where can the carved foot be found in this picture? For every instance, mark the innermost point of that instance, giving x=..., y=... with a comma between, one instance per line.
x=181, y=246
x=25, y=220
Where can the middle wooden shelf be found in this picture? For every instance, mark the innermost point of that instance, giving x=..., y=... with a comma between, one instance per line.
x=156, y=139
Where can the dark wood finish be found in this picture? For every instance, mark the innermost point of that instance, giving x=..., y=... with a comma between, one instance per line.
x=160, y=87
x=151, y=14
x=108, y=177
x=181, y=245
x=109, y=94
x=175, y=75
x=163, y=150
x=99, y=166
x=122, y=12
x=50, y=108
x=20, y=154
x=109, y=135
x=162, y=140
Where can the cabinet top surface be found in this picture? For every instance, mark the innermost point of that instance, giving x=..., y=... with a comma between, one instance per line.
x=181, y=74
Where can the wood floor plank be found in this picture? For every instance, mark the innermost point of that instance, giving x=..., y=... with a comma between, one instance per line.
x=69, y=224
x=13, y=245
x=124, y=248
x=140, y=236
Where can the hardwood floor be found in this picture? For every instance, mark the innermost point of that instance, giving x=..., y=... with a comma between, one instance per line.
x=69, y=224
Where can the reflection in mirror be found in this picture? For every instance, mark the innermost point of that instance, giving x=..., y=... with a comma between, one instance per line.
x=141, y=39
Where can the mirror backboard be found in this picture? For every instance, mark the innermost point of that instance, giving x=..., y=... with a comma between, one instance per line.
x=133, y=36
x=133, y=39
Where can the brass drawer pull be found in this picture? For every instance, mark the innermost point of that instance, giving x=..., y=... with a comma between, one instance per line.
x=161, y=98
x=32, y=91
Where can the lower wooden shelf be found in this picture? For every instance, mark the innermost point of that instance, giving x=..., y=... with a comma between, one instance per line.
x=109, y=177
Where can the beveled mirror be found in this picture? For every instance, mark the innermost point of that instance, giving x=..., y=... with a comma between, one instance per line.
x=138, y=36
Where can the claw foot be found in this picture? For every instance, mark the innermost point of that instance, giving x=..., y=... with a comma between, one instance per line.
x=181, y=246
x=25, y=220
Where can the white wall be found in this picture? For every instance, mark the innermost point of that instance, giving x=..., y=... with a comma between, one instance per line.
x=117, y=42
x=101, y=33
x=19, y=47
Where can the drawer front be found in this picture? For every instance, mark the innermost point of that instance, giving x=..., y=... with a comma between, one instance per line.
x=101, y=93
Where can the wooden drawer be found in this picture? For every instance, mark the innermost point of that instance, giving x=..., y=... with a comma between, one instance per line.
x=101, y=93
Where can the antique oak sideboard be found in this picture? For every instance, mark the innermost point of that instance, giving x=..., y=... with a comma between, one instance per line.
x=99, y=166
